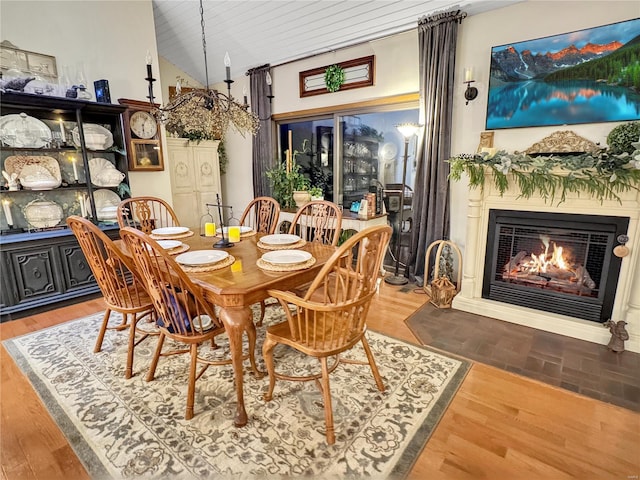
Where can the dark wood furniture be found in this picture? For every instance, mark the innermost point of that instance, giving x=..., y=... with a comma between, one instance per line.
x=43, y=266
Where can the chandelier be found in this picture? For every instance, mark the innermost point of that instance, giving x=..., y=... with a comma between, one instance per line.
x=203, y=110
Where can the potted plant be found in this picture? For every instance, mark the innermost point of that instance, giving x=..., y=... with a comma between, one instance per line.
x=316, y=193
x=285, y=183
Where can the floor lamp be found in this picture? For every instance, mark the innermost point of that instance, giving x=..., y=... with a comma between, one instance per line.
x=407, y=130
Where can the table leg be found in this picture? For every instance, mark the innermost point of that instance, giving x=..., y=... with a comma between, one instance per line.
x=236, y=321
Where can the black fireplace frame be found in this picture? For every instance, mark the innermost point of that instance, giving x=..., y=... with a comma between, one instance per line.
x=592, y=309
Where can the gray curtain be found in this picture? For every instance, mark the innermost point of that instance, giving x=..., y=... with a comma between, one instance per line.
x=437, y=37
x=262, y=155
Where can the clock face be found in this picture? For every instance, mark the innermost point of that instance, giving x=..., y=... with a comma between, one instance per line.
x=143, y=124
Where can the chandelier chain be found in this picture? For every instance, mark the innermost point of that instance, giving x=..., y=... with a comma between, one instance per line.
x=204, y=46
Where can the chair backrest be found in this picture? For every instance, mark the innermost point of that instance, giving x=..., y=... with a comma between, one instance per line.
x=333, y=311
x=146, y=213
x=261, y=215
x=114, y=272
x=176, y=298
x=318, y=221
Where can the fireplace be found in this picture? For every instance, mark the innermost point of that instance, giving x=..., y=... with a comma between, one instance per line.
x=554, y=262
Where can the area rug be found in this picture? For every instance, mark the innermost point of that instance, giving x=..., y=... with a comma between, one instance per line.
x=132, y=428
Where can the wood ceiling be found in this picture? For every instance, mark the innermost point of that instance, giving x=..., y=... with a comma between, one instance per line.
x=256, y=32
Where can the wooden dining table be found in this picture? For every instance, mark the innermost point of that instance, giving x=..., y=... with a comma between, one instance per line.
x=235, y=288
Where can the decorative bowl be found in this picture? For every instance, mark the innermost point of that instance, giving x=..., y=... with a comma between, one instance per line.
x=95, y=141
x=43, y=213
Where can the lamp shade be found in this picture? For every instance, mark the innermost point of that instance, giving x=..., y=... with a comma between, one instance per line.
x=408, y=129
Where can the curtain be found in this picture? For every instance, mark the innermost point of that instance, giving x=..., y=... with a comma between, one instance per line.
x=262, y=154
x=437, y=37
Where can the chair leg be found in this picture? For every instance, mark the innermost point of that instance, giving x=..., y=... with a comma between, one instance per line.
x=191, y=390
x=103, y=329
x=128, y=373
x=156, y=356
x=372, y=364
x=328, y=410
x=267, y=353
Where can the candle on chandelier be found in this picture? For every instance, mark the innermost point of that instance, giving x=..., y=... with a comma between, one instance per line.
x=227, y=65
x=149, y=73
x=7, y=212
x=244, y=94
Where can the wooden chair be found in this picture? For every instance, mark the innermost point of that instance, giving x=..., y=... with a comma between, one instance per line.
x=122, y=288
x=331, y=316
x=318, y=221
x=146, y=214
x=261, y=215
x=178, y=301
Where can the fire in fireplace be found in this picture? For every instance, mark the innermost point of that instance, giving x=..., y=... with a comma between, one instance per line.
x=560, y=263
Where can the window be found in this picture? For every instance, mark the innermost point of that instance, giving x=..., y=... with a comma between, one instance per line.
x=347, y=153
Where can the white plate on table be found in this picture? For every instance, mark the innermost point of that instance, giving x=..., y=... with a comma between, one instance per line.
x=243, y=229
x=280, y=239
x=286, y=257
x=169, y=244
x=198, y=258
x=170, y=231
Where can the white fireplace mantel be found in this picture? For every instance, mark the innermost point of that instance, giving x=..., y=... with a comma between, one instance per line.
x=627, y=300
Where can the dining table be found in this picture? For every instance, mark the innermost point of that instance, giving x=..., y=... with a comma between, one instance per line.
x=238, y=286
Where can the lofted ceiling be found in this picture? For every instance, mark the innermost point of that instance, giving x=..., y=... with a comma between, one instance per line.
x=256, y=32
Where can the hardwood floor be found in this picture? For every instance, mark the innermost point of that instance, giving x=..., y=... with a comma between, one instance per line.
x=499, y=425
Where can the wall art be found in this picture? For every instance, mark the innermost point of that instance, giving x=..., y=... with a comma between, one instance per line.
x=586, y=76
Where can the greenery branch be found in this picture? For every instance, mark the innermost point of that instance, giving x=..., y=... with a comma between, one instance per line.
x=602, y=175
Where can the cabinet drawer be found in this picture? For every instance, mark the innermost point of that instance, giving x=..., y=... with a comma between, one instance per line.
x=35, y=273
x=75, y=268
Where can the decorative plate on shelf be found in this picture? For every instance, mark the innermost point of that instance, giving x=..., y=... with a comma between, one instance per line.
x=96, y=137
x=43, y=213
x=22, y=131
x=106, y=204
x=34, y=171
x=104, y=173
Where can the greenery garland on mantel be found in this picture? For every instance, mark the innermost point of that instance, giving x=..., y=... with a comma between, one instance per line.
x=602, y=175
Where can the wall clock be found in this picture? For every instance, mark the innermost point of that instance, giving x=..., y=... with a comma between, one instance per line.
x=142, y=136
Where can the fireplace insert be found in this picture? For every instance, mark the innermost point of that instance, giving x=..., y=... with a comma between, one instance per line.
x=555, y=262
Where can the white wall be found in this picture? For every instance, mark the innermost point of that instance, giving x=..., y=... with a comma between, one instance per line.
x=110, y=38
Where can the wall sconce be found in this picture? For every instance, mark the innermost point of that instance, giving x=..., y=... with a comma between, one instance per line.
x=471, y=92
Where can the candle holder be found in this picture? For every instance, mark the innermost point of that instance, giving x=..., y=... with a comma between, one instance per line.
x=224, y=242
x=471, y=92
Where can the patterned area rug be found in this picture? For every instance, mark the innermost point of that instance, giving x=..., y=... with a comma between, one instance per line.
x=130, y=428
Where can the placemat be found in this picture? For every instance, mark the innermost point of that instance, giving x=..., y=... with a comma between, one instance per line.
x=299, y=244
x=210, y=268
x=172, y=237
x=271, y=267
x=181, y=249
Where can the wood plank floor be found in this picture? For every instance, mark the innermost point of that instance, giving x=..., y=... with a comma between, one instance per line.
x=499, y=425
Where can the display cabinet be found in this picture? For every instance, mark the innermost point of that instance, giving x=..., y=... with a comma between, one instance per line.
x=359, y=167
x=59, y=157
